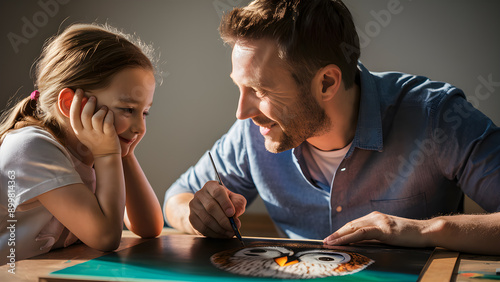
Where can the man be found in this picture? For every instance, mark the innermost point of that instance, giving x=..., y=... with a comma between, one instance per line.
x=338, y=152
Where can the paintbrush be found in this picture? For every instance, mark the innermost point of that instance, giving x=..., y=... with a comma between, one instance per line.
x=231, y=219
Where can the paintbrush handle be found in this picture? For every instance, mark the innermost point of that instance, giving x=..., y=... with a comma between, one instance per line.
x=231, y=219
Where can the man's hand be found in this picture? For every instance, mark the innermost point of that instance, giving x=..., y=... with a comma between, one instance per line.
x=469, y=233
x=95, y=130
x=211, y=207
x=383, y=228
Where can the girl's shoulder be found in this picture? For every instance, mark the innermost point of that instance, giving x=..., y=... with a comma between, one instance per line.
x=30, y=130
x=30, y=139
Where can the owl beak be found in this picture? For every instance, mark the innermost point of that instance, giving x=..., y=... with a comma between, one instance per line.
x=283, y=261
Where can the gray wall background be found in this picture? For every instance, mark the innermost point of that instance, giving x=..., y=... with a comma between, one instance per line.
x=457, y=41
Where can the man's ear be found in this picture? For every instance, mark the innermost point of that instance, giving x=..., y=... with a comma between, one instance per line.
x=331, y=79
x=65, y=99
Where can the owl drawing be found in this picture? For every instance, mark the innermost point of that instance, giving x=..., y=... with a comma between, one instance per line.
x=289, y=261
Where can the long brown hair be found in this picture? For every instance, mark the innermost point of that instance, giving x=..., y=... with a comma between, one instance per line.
x=85, y=56
x=310, y=34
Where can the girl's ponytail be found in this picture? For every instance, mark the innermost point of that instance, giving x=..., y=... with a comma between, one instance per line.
x=24, y=113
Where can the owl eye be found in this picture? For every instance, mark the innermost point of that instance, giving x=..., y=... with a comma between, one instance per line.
x=255, y=252
x=331, y=258
x=325, y=259
x=258, y=251
x=264, y=252
x=325, y=256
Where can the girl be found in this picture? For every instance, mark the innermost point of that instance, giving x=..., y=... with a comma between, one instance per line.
x=67, y=151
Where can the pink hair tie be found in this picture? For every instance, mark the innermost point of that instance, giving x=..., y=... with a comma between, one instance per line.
x=34, y=95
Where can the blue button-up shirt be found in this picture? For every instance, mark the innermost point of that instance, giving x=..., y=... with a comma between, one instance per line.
x=419, y=145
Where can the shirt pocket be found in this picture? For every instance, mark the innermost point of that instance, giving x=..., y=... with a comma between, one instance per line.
x=414, y=207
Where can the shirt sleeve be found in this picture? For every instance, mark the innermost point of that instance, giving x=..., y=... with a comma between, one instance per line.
x=35, y=163
x=469, y=150
x=231, y=158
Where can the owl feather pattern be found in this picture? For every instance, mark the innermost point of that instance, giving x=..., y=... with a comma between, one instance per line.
x=289, y=261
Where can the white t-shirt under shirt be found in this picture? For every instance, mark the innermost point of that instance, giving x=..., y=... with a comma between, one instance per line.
x=34, y=163
x=323, y=165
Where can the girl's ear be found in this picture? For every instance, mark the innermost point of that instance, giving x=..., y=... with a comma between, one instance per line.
x=65, y=99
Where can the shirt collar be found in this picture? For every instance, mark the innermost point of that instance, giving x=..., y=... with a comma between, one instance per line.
x=368, y=134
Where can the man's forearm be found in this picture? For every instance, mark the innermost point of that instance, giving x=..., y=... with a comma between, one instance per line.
x=467, y=233
x=177, y=212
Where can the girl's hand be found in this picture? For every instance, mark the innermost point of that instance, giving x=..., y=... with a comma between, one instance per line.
x=133, y=145
x=95, y=130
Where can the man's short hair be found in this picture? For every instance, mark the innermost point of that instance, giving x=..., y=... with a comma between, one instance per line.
x=310, y=34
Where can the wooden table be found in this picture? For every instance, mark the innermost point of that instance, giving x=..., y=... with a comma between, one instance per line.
x=442, y=266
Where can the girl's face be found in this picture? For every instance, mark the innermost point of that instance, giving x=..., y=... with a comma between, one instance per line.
x=129, y=96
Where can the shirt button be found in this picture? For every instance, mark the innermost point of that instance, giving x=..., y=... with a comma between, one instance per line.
x=339, y=209
x=342, y=169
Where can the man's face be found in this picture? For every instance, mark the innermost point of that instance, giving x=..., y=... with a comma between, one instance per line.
x=270, y=96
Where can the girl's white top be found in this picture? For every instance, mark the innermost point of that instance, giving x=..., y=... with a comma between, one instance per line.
x=32, y=162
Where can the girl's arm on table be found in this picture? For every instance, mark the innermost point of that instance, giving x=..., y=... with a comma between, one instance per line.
x=143, y=214
x=96, y=219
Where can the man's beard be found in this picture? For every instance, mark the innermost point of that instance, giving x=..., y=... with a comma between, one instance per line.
x=299, y=122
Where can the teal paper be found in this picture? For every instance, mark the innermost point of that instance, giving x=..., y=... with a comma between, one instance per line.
x=186, y=258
